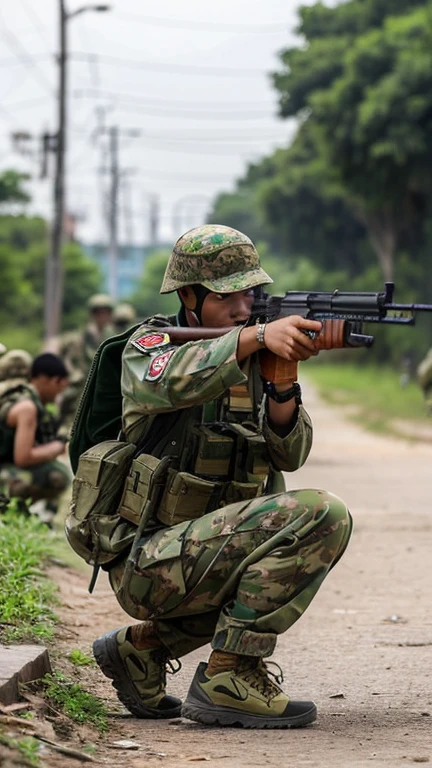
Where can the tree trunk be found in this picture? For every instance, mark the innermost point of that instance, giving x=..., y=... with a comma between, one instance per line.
x=382, y=233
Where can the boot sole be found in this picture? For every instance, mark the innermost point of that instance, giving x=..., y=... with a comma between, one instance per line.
x=215, y=715
x=110, y=662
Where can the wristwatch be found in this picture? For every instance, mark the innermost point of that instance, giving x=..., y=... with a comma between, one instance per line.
x=293, y=392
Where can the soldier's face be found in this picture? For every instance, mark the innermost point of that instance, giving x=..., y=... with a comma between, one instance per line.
x=223, y=310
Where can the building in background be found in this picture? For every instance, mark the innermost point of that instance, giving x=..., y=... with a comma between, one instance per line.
x=130, y=264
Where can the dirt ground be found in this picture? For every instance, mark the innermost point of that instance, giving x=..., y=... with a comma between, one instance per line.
x=362, y=651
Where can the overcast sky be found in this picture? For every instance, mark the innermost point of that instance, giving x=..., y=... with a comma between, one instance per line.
x=186, y=83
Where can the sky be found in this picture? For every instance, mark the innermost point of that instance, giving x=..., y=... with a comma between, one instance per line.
x=186, y=84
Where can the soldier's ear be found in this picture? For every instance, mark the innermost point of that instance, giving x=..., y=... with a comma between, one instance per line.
x=188, y=297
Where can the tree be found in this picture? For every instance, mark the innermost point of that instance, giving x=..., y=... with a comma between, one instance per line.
x=364, y=81
x=147, y=300
x=23, y=249
x=11, y=189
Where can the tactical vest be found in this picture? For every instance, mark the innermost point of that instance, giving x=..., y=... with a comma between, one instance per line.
x=187, y=463
x=12, y=392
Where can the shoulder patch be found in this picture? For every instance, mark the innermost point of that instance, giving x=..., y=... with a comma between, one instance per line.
x=148, y=342
x=158, y=365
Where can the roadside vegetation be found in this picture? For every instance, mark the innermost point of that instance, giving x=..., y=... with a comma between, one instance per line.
x=374, y=396
x=28, y=599
x=27, y=596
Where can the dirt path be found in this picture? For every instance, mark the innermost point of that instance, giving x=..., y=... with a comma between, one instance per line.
x=362, y=651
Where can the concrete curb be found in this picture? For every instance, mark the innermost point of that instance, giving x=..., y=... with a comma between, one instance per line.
x=20, y=664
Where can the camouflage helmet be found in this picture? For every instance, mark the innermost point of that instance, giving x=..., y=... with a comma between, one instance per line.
x=219, y=258
x=100, y=301
x=124, y=313
x=15, y=364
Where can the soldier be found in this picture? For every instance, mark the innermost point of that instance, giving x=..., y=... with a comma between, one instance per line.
x=28, y=442
x=15, y=364
x=124, y=316
x=224, y=554
x=78, y=349
x=424, y=378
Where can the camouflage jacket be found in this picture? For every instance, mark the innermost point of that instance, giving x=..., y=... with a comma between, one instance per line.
x=77, y=348
x=199, y=383
x=12, y=392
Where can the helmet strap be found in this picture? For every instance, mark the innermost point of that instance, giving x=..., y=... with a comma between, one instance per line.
x=192, y=297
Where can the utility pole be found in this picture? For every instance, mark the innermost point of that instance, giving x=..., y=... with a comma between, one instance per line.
x=154, y=216
x=113, y=211
x=54, y=271
x=54, y=267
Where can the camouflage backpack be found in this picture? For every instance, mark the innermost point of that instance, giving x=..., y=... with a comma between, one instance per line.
x=101, y=461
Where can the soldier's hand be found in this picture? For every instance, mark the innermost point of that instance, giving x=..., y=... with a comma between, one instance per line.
x=285, y=337
x=59, y=446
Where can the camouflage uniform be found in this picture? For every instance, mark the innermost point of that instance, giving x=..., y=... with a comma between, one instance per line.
x=124, y=316
x=241, y=573
x=78, y=350
x=424, y=378
x=40, y=481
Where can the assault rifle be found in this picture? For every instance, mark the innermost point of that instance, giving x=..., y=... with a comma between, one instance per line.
x=342, y=313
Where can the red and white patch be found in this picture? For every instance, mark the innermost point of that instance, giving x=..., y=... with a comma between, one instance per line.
x=158, y=365
x=150, y=341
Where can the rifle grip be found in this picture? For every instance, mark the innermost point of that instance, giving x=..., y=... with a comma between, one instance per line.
x=331, y=335
x=276, y=369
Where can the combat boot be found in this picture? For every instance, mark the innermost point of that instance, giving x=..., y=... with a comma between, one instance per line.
x=139, y=676
x=244, y=695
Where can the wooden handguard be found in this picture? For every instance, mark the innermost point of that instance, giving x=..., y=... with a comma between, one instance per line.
x=276, y=369
x=282, y=372
x=331, y=335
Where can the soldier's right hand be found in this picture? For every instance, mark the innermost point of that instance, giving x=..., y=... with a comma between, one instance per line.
x=285, y=337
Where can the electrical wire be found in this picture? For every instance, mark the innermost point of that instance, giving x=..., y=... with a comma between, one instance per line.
x=177, y=69
x=194, y=24
x=193, y=105
x=27, y=59
x=34, y=18
x=134, y=105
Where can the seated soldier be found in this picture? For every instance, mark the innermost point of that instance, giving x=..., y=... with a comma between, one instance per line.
x=29, y=446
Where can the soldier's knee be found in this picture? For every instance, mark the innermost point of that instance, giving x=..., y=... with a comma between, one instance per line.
x=58, y=480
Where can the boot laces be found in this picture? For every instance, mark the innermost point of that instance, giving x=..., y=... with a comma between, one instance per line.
x=256, y=672
x=168, y=666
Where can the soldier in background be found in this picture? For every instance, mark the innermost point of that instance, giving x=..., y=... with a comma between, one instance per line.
x=124, y=316
x=29, y=445
x=78, y=348
x=15, y=365
x=424, y=378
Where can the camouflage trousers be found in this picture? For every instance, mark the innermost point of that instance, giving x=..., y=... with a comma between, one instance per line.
x=42, y=481
x=237, y=577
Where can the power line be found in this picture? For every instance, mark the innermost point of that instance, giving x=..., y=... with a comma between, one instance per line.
x=176, y=69
x=34, y=18
x=193, y=24
x=211, y=105
x=136, y=105
x=25, y=58
x=196, y=138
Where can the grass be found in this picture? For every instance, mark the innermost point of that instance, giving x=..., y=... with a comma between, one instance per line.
x=80, y=659
x=27, y=596
x=376, y=394
x=69, y=698
x=27, y=748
